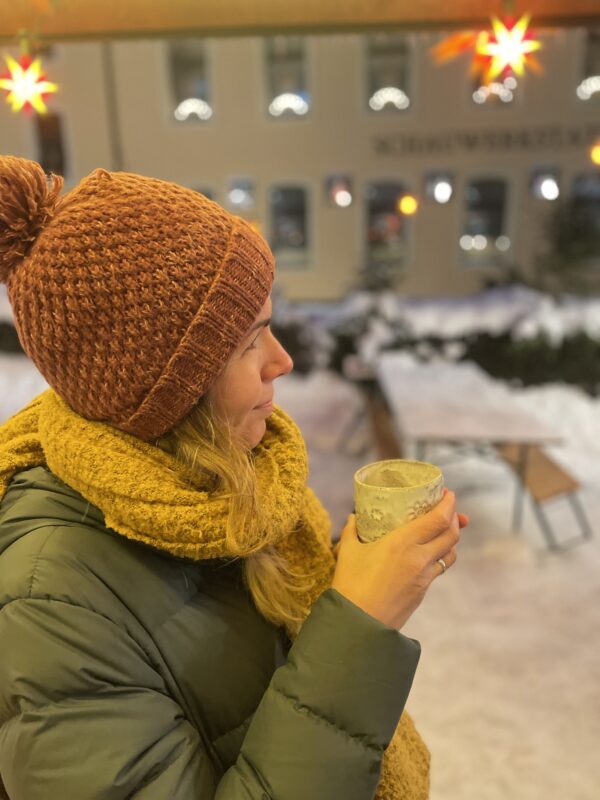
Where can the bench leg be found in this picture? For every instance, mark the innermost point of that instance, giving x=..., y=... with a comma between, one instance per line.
x=350, y=429
x=545, y=526
x=584, y=524
x=548, y=531
x=520, y=488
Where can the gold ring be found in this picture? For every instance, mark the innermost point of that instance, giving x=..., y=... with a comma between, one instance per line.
x=442, y=564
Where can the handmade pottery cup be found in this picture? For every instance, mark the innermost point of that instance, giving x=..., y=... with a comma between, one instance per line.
x=390, y=493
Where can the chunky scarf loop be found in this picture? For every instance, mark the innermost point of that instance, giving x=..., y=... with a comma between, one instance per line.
x=145, y=495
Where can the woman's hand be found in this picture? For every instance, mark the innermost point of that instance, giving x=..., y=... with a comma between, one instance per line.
x=388, y=578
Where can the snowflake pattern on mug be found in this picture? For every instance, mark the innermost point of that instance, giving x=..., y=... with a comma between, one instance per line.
x=420, y=508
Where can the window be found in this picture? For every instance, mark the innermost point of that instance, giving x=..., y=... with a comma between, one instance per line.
x=573, y=233
x=388, y=72
x=206, y=191
x=241, y=194
x=288, y=94
x=545, y=184
x=386, y=224
x=586, y=203
x=51, y=154
x=590, y=84
x=338, y=190
x=439, y=186
x=289, y=234
x=189, y=80
x=484, y=237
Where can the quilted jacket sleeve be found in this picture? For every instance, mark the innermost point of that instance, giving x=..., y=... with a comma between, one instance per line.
x=93, y=721
x=329, y=712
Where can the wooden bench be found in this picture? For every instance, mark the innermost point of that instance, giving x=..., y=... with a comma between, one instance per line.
x=545, y=480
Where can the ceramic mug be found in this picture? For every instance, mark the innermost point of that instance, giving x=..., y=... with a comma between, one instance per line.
x=390, y=493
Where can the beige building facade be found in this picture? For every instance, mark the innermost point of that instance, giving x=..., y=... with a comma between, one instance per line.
x=116, y=109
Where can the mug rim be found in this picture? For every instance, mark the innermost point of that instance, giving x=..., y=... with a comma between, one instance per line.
x=358, y=480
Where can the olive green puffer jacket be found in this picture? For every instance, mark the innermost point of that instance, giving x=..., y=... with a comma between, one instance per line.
x=129, y=673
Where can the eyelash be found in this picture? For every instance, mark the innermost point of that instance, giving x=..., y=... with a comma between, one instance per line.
x=254, y=341
x=252, y=345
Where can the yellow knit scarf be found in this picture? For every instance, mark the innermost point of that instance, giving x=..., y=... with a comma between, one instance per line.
x=145, y=495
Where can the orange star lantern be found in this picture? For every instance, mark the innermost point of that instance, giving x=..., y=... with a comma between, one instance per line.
x=26, y=85
x=509, y=49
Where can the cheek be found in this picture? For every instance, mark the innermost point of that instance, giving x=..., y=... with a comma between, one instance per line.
x=236, y=394
x=244, y=391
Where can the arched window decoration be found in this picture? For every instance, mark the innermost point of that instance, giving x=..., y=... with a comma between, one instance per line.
x=484, y=237
x=190, y=80
x=500, y=92
x=388, y=72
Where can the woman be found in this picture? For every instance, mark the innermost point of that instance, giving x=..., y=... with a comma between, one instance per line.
x=159, y=548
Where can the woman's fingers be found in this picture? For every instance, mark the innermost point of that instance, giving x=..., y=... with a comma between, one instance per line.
x=444, y=542
x=443, y=517
x=432, y=524
x=449, y=560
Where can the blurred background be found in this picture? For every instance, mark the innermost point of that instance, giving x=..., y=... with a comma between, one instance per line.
x=428, y=177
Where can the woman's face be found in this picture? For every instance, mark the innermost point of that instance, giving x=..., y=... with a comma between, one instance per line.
x=243, y=392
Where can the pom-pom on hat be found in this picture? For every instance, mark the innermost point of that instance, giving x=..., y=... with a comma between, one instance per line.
x=128, y=293
x=27, y=202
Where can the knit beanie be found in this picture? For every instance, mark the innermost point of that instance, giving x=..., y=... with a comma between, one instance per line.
x=129, y=293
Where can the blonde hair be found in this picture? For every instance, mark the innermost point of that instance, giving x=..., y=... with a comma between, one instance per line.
x=208, y=447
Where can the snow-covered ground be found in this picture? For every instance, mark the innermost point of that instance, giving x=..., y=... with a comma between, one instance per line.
x=507, y=692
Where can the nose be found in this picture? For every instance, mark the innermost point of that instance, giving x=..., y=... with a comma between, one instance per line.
x=280, y=362
x=288, y=362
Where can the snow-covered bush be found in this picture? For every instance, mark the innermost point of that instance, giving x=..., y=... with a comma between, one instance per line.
x=513, y=332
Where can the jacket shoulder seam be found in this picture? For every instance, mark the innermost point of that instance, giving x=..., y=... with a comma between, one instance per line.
x=51, y=531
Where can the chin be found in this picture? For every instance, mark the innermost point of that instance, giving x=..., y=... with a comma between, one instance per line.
x=255, y=436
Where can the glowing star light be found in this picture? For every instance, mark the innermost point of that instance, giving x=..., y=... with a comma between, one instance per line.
x=26, y=84
x=509, y=48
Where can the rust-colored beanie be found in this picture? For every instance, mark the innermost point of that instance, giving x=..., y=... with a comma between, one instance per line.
x=129, y=293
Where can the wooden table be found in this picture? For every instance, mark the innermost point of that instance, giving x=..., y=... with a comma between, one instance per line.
x=460, y=404
x=455, y=402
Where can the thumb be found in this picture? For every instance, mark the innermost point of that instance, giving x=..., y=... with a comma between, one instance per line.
x=349, y=529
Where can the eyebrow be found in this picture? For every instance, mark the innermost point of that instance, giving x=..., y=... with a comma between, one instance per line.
x=262, y=324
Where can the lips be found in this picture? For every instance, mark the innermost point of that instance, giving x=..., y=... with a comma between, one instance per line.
x=268, y=404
